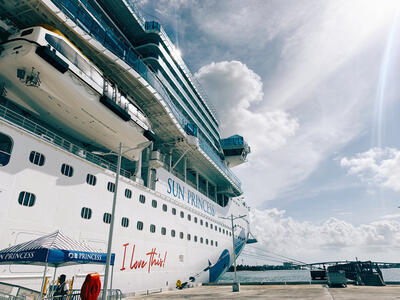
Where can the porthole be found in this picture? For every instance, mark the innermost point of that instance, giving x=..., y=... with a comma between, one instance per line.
x=152, y=228
x=163, y=231
x=124, y=222
x=142, y=199
x=188, y=237
x=206, y=224
x=211, y=226
x=86, y=213
x=91, y=179
x=36, y=158
x=139, y=225
x=195, y=238
x=195, y=219
x=173, y=211
x=128, y=193
x=26, y=199
x=6, y=145
x=206, y=241
x=173, y=233
x=201, y=240
x=181, y=235
x=189, y=217
x=201, y=222
x=223, y=231
x=212, y=243
x=164, y=207
x=154, y=203
x=219, y=229
x=107, y=218
x=111, y=187
x=216, y=244
x=182, y=214
x=216, y=228
x=67, y=170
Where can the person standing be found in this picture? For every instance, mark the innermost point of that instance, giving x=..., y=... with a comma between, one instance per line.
x=61, y=289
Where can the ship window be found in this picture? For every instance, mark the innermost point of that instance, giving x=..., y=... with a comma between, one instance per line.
x=163, y=231
x=26, y=32
x=181, y=235
x=6, y=146
x=36, y=158
x=206, y=224
x=216, y=228
x=172, y=233
x=216, y=244
x=211, y=226
x=124, y=222
x=212, y=243
x=189, y=217
x=223, y=231
x=230, y=234
x=201, y=240
x=195, y=238
x=142, y=199
x=67, y=170
x=206, y=241
x=152, y=228
x=219, y=229
x=182, y=214
x=107, y=218
x=188, y=237
x=139, y=225
x=26, y=199
x=154, y=203
x=86, y=213
x=195, y=219
x=201, y=222
x=128, y=193
x=173, y=211
x=164, y=207
x=91, y=179
x=111, y=187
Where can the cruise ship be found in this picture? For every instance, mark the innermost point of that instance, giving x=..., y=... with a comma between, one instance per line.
x=82, y=80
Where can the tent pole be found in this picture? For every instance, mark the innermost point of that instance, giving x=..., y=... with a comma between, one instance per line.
x=112, y=275
x=43, y=279
x=54, y=279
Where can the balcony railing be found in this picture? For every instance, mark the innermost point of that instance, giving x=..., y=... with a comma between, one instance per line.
x=78, y=11
x=52, y=138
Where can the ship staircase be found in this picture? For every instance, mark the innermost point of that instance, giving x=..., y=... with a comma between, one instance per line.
x=107, y=46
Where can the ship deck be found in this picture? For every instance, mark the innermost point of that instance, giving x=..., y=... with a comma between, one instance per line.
x=315, y=291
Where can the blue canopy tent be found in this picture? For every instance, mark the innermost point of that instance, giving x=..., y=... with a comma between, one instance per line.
x=53, y=250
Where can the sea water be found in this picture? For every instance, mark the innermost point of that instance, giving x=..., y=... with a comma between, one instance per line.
x=291, y=275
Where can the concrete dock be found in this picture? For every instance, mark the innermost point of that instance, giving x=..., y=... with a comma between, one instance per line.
x=316, y=291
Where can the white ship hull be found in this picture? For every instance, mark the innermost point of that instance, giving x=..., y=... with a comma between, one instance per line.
x=59, y=200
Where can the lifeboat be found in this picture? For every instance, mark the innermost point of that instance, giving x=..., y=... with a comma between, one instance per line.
x=45, y=73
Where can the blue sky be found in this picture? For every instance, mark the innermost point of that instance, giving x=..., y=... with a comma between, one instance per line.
x=313, y=86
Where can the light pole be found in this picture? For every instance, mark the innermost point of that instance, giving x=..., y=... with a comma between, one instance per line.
x=235, y=285
x=111, y=230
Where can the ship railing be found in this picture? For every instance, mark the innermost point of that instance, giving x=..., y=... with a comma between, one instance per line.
x=156, y=27
x=52, y=138
x=77, y=11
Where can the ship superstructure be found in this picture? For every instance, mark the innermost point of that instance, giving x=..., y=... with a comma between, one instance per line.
x=96, y=75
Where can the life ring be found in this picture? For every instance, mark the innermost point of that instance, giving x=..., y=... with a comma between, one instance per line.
x=91, y=287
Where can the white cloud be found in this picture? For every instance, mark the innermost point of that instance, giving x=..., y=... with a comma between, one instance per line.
x=377, y=166
x=235, y=91
x=334, y=239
